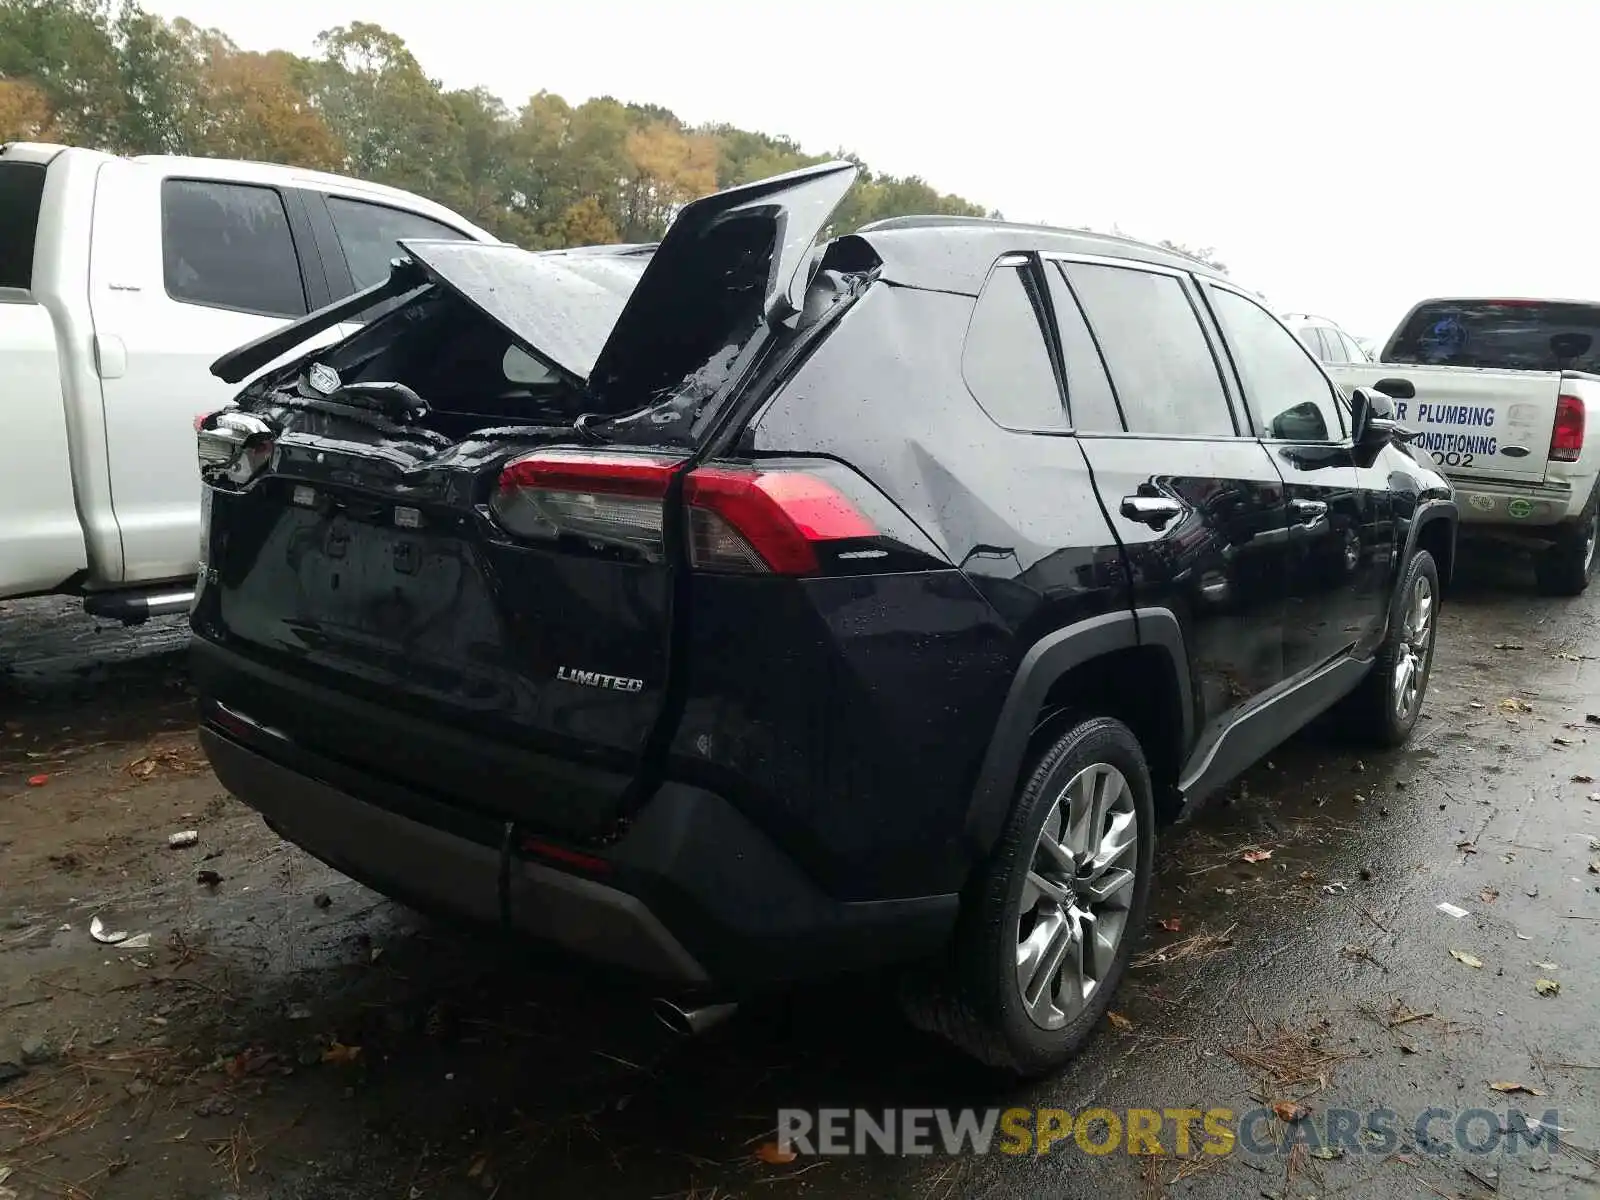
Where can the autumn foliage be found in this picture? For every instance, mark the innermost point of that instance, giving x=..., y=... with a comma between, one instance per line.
x=107, y=74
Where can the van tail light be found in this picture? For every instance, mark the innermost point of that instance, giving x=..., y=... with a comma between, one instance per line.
x=233, y=445
x=741, y=520
x=1566, y=439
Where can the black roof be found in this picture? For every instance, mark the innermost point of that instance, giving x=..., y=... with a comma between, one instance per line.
x=954, y=254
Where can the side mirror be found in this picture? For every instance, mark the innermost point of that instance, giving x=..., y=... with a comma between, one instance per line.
x=1371, y=417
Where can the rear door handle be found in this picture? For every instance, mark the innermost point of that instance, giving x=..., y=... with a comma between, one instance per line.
x=1308, y=510
x=1154, y=511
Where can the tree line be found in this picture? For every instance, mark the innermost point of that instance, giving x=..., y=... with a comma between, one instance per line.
x=109, y=75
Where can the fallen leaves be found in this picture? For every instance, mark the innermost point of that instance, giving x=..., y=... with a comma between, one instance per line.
x=1118, y=1021
x=1256, y=856
x=1470, y=960
x=1508, y=1088
x=1171, y=924
x=1547, y=987
x=38, y=780
x=1515, y=705
x=177, y=757
x=775, y=1155
x=340, y=1054
x=1290, y=1112
x=1583, y=779
x=1489, y=895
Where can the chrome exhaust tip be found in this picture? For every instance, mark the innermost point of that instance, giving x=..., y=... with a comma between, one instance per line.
x=691, y=1021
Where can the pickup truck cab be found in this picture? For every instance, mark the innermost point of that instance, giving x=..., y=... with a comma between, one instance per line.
x=1498, y=392
x=120, y=281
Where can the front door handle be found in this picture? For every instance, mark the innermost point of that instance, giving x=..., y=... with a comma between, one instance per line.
x=1154, y=511
x=1308, y=510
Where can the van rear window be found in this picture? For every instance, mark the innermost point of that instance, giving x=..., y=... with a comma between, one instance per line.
x=1505, y=335
x=21, y=189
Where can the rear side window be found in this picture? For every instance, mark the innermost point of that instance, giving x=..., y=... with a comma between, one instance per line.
x=1507, y=335
x=369, y=234
x=1155, y=349
x=227, y=245
x=1005, y=361
x=1090, y=400
x=21, y=190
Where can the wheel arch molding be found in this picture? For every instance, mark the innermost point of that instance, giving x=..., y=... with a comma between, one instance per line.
x=1049, y=662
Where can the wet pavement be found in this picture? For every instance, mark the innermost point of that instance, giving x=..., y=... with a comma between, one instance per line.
x=287, y=1033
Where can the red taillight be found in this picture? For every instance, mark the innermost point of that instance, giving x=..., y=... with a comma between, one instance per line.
x=1566, y=439
x=613, y=499
x=755, y=520
x=740, y=520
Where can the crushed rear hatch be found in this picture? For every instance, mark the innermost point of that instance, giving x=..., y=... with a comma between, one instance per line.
x=397, y=522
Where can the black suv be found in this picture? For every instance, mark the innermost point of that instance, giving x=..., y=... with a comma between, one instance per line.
x=752, y=606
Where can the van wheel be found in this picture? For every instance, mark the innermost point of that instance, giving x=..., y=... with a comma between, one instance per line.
x=1047, y=929
x=1565, y=568
x=1383, y=710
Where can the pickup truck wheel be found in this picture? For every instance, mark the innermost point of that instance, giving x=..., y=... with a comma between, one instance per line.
x=1047, y=929
x=1566, y=567
x=1383, y=710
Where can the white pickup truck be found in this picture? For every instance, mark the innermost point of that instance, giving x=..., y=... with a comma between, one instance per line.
x=1498, y=392
x=121, y=280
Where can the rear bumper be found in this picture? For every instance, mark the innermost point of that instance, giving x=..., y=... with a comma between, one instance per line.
x=693, y=895
x=1513, y=506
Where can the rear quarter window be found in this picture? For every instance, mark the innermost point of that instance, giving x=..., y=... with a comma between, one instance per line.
x=21, y=193
x=1004, y=359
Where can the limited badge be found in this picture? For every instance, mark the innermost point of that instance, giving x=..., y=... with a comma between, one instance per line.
x=323, y=378
x=1519, y=508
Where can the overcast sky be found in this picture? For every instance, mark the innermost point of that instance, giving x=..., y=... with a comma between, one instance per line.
x=1346, y=158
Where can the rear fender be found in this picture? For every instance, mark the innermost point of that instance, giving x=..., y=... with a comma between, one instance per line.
x=1050, y=659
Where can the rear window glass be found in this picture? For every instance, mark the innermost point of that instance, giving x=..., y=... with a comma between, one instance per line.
x=21, y=188
x=1507, y=335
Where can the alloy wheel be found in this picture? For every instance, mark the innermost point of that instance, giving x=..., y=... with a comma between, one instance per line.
x=1079, y=889
x=1416, y=645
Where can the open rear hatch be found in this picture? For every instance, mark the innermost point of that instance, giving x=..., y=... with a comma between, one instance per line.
x=408, y=525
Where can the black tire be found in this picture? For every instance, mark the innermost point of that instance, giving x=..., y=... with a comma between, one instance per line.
x=1565, y=568
x=974, y=1000
x=1372, y=714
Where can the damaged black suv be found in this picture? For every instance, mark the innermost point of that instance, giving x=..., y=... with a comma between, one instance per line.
x=753, y=606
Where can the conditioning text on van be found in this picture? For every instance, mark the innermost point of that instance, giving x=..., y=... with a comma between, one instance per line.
x=594, y=679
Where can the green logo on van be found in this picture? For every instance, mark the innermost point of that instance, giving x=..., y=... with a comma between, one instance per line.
x=1519, y=508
